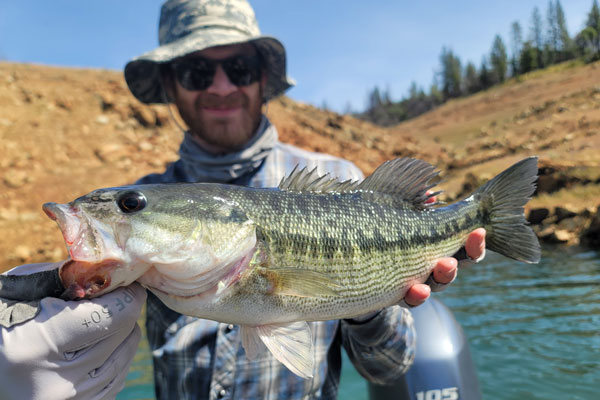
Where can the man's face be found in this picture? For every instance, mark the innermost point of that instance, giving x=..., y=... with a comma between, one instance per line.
x=223, y=117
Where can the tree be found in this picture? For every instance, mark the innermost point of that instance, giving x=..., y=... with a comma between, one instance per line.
x=450, y=74
x=551, y=46
x=485, y=78
x=566, y=48
x=471, y=79
x=498, y=60
x=516, y=44
x=535, y=35
x=529, y=57
x=593, y=21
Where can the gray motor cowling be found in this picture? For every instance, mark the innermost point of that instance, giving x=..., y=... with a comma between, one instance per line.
x=443, y=368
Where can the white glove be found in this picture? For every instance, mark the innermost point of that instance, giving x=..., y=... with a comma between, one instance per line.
x=71, y=349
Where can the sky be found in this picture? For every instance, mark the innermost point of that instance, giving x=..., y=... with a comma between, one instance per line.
x=338, y=50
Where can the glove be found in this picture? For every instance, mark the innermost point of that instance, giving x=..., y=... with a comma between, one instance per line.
x=71, y=349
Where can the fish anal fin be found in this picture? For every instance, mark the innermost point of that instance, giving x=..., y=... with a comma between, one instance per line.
x=251, y=341
x=290, y=343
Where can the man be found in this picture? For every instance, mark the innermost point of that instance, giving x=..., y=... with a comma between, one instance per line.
x=218, y=71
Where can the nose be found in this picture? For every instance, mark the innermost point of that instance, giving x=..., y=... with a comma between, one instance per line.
x=221, y=85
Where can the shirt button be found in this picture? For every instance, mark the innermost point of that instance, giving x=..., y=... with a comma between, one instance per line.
x=222, y=393
x=229, y=328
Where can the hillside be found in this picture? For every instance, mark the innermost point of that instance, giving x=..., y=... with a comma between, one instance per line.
x=67, y=131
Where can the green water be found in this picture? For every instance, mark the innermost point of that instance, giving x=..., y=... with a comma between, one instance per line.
x=534, y=330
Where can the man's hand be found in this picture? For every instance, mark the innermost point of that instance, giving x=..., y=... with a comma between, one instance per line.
x=72, y=349
x=446, y=268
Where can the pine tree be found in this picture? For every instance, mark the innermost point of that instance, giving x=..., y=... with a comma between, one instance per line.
x=450, y=74
x=593, y=19
x=536, y=36
x=516, y=42
x=529, y=57
x=593, y=22
x=566, y=50
x=471, y=79
x=498, y=60
x=551, y=46
x=485, y=79
x=588, y=40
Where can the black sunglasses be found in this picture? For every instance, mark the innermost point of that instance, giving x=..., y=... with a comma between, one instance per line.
x=197, y=73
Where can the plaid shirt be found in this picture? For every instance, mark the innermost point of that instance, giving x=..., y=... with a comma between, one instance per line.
x=202, y=359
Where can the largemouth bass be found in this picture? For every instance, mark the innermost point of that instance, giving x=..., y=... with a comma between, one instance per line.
x=272, y=259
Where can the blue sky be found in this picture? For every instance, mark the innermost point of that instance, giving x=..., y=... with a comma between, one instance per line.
x=337, y=49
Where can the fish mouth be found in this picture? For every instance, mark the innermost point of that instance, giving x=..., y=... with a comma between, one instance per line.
x=86, y=280
x=86, y=240
x=67, y=219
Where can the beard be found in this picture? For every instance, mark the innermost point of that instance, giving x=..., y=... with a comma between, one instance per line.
x=222, y=133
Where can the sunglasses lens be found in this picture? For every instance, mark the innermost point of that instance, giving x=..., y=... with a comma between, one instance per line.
x=198, y=73
x=195, y=74
x=242, y=70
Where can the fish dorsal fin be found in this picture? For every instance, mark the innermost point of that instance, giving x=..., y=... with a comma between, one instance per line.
x=305, y=181
x=401, y=179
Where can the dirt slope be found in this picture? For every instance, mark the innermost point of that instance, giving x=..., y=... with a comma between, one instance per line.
x=67, y=131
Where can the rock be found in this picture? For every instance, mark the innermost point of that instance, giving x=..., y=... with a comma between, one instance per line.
x=106, y=100
x=102, y=119
x=112, y=152
x=591, y=236
x=552, y=236
x=144, y=115
x=537, y=215
x=547, y=184
x=22, y=253
x=16, y=179
x=145, y=145
x=564, y=212
x=572, y=224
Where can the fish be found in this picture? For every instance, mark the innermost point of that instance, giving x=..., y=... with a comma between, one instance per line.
x=273, y=259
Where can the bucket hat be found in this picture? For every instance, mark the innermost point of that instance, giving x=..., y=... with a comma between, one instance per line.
x=188, y=26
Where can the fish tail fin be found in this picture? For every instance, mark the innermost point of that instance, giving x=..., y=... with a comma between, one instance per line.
x=502, y=200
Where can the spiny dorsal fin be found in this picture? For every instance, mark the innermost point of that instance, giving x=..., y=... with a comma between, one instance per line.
x=406, y=179
x=399, y=180
x=305, y=181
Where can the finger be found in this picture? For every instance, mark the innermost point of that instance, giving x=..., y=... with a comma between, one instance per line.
x=445, y=270
x=109, y=379
x=475, y=244
x=74, y=325
x=417, y=294
x=95, y=356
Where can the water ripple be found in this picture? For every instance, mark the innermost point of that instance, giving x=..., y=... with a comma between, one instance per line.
x=533, y=329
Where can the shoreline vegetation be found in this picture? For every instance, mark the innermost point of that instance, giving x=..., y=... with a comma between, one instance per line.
x=67, y=131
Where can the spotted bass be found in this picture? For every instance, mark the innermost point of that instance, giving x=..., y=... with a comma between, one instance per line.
x=271, y=259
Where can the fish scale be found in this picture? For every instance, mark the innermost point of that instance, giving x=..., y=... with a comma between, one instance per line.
x=272, y=259
x=373, y=251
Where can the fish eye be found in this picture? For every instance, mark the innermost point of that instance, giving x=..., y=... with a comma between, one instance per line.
x=130, y=202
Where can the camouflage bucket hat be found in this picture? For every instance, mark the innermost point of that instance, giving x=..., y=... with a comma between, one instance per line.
x=188, y=26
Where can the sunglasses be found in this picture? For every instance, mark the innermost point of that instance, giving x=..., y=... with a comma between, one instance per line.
x=197, y=73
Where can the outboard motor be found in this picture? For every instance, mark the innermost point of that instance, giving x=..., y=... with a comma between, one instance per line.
x=443, y=368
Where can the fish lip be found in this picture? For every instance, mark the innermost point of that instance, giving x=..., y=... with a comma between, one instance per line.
x=67, y=218
x=86, y=242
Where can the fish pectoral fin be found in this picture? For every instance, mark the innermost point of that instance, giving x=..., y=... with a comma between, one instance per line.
x=290, y=343
x=301, y=282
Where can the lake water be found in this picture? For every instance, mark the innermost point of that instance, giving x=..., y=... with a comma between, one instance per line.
x=533, y=330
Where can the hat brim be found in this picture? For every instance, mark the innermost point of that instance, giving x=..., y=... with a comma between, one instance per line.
x=143, y=76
